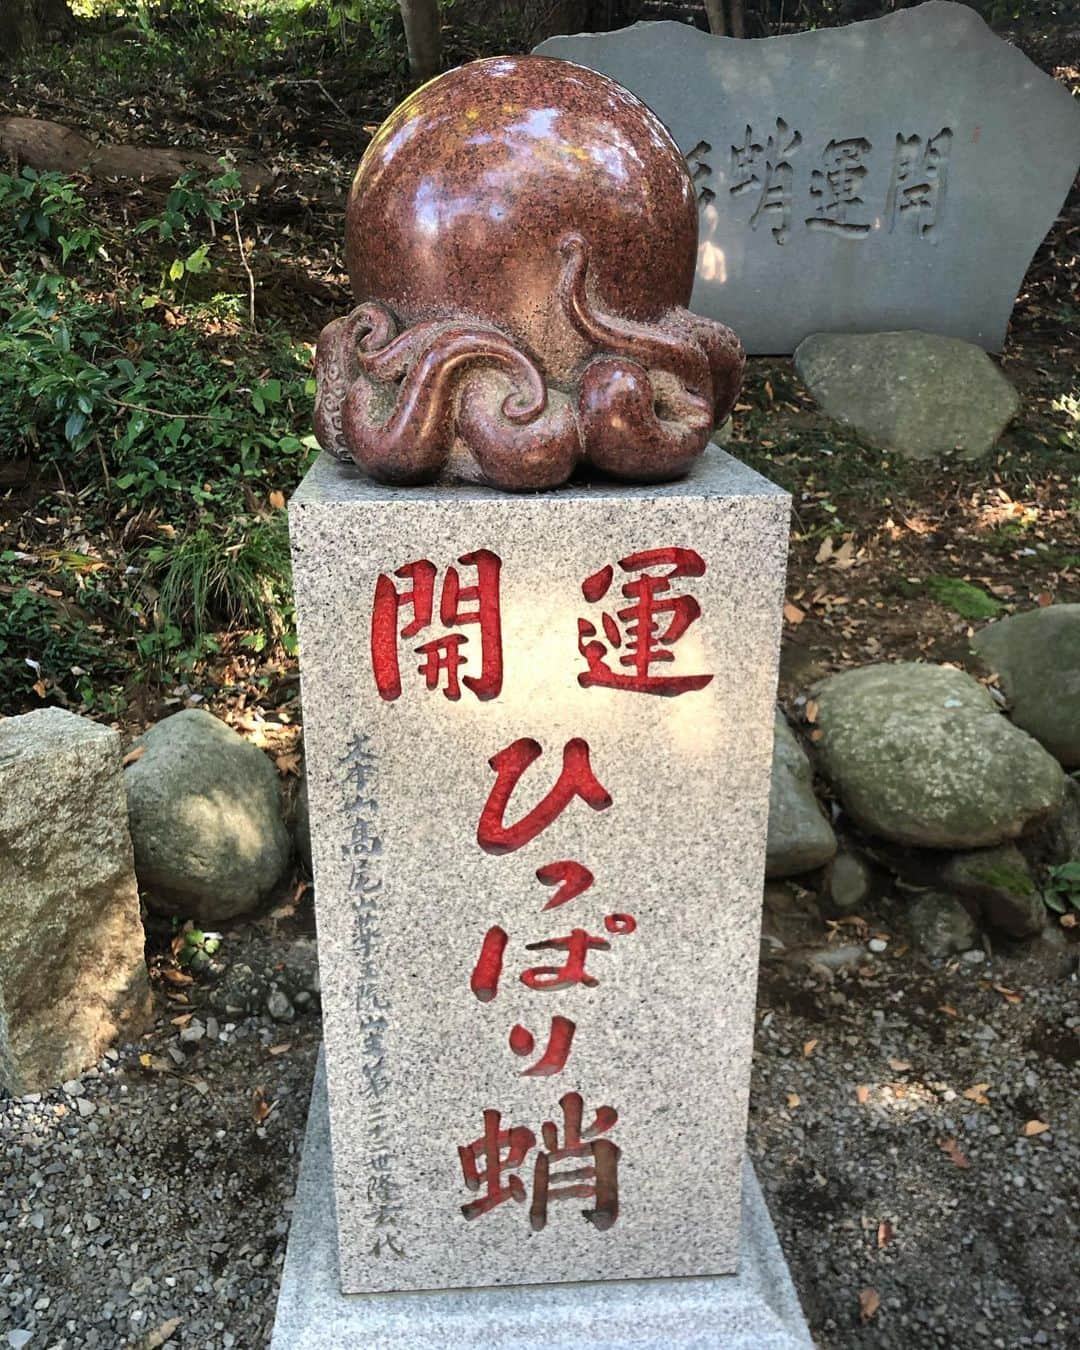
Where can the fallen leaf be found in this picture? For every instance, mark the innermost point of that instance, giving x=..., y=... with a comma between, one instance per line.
x=845, y=554
x=280, y=1049
x=260, y=1108
x=182, y=1020
x=824, y=553
x=793, y=1100
x=951, y=1150
x=1033, y=1128
x=175, y=976
x=162, y=1333
x=884, y=1233
x=898, y=1065
x=862, y=1094
x=793, y=614
x=132, y=756
x=1009, y=995
x=1068, y=920
x=809, y=1047
x=39, y=688
x=277, y=500
x=948, y=1010
x=288, y=763
x=1043, y=599
x=869, y=1303
x=977, y=1094
x=810, y=712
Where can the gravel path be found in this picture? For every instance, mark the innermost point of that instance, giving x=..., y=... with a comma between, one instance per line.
x=147, y=1204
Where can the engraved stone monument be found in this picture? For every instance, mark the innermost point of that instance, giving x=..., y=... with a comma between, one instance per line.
x=538, y=730
x=893, y=174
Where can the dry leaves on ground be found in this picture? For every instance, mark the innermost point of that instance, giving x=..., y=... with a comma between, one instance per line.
x=869, y=1303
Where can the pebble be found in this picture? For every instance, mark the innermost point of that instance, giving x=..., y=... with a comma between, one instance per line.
x=878, y=945
x=279, y=1006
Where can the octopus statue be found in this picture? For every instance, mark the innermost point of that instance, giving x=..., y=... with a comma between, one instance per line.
x=521, y=238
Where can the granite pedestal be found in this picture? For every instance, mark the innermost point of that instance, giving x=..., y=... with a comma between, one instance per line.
x=757, y=1309
x=538, y=734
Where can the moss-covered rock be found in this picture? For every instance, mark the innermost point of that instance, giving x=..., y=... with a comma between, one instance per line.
x=920, y=755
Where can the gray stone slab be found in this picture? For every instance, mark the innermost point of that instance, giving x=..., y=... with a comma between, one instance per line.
x=757, y=1309
x=406, y=896
x=72, y=972
x=957, y=148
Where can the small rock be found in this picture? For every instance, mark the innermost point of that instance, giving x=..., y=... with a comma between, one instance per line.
x=18, y=1339
x=85, y=1107
x=193, y=1032
x=999, y=880
x=940, y=925
x=205, y=814
x=279, y=1006
x=878, y=945
x=974, y=957
x=800, y=838
x=92, y=1222
x=837, y=958
x=848, y=884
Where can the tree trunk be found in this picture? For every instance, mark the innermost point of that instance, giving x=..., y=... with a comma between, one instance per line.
x=423, y=33
x=738, y=18
x=714, y=12
x=24, y=23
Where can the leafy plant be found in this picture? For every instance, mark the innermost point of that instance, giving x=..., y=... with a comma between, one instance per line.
x=1063, y=889
x=47, y=208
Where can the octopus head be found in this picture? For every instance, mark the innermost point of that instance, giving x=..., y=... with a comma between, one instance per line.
x=521, y=239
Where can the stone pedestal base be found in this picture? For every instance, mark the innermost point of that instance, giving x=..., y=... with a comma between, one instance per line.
x=757, y=1309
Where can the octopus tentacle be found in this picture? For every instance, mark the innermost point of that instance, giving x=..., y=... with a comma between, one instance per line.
x=724, y=352
x=337, y=366
x=527, y=458
x=638, y=427
x=404, y=433
x=650, y=345
x=390, y=362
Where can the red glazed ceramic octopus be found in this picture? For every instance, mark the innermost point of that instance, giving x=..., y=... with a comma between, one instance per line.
x=521, y=237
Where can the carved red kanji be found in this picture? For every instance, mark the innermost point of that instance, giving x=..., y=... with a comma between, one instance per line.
x=635, y=631
x=598, y=1181
x=443, y=656
x=500, y=1151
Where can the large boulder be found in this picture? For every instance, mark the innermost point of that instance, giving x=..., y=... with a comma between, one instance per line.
x=205, y=811
x=72, y=972
x=1037, y=656
x=800, y=838
x=920, y=755
x=919, y=394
